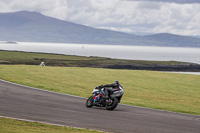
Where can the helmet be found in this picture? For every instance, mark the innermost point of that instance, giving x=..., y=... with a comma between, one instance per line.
x=116, y=82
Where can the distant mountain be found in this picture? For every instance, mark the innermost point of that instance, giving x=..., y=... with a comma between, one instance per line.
x=34, y=27
x=174, y=40
x=197, y=36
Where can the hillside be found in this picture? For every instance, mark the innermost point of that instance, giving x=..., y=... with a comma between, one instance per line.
x=174, y=40
x=35, y=27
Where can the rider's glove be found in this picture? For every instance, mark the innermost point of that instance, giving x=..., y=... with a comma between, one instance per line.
x=97, y=87
x=101, y=86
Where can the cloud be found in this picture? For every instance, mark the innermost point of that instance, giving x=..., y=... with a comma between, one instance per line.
x=55, y=8
x=134, y=16
x=171, y=1
x=4, y=7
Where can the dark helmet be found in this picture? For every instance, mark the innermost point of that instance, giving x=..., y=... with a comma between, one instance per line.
x=116, y=82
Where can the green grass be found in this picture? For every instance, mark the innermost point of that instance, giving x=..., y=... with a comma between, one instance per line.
x=12, y=57
x=17, y=126
x=158, y=90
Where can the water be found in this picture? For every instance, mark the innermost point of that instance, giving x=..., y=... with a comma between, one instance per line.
x=195, y=73
x=112, y=51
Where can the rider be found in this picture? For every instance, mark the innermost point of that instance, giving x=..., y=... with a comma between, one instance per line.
x=114, y=85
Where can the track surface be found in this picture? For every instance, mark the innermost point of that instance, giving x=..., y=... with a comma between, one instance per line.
x=32, y=104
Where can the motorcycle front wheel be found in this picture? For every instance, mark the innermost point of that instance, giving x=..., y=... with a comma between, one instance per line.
x=89, y=102
x=113, y=104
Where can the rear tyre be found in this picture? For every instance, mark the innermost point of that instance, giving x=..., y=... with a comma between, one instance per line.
x=113, y=104
x=89, y=102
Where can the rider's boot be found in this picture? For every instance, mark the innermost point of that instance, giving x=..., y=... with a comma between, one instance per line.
x=104, y=94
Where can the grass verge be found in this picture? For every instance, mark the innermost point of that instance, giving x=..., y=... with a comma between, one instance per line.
x=158, y=90
x=18, y=126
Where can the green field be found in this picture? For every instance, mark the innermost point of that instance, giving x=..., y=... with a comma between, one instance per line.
x=25, y=58
x=17, y=126
x=158, y=90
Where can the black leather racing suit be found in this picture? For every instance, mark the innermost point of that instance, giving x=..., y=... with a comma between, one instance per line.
x=109, y=88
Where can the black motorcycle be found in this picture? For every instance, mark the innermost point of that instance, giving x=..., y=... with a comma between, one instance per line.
x=110, y=103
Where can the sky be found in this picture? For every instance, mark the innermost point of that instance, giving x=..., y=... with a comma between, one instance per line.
x=132, y=16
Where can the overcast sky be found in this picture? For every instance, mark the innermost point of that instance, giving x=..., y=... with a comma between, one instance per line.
x=134, y=16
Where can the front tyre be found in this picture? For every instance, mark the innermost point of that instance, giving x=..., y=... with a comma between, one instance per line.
x=89, y=102
x=113, y=104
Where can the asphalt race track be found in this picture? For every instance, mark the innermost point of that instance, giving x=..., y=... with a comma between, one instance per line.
x=32, y=104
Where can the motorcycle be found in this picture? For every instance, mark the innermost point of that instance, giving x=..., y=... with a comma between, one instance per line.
x=98, y=100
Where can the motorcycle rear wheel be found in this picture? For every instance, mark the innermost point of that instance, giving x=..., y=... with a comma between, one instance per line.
x=89, y=102
x=112, y=105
